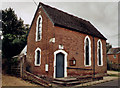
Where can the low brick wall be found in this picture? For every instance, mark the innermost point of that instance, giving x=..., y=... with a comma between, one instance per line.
x=35, y=79
x=113, y=66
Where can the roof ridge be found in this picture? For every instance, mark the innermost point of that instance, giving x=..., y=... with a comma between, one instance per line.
x=70, y=21
x=64, y=12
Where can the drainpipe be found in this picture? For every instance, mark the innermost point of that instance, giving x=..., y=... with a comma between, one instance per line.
x=93, y=58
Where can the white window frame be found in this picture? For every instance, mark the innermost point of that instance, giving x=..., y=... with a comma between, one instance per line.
x=87, y=37
x=37, y=28
x=36, y=57
x=98, y=53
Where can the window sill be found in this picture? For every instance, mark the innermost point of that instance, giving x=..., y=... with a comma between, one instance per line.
x=37, y=65
x=87, y=65
x=100, y=65
x=38, y=40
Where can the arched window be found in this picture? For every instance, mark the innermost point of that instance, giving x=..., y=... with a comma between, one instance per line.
x=99, y=53
x=87, y=51
x=39, y=28
x=37, y=57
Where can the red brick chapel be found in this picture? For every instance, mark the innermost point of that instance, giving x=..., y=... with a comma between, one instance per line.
x=62, y=45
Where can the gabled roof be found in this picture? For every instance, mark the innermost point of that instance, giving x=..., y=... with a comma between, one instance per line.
x=114, y=51
x=65, y=20
x=24, y=51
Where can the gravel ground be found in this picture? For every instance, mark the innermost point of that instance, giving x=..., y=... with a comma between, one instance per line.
x=8, y=80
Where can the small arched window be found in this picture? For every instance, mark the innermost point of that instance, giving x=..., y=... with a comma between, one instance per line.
x=37, y=57
x=99, y=53
x=87, y=51
x=39, y=28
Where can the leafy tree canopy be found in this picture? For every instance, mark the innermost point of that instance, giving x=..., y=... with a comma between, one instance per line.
x=14, y=33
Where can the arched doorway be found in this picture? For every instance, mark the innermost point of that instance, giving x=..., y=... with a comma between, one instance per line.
x=60, y=64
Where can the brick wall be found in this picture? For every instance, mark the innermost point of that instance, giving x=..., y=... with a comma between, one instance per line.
x=114, y=60
x=73, y=43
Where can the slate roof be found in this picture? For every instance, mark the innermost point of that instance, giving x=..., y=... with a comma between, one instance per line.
x=114, y=51
x=65, y=20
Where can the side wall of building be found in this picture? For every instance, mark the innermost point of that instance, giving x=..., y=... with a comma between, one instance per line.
x=73, y=43
x=43, y=44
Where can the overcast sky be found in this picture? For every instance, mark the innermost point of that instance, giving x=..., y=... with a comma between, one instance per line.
x=103, y=15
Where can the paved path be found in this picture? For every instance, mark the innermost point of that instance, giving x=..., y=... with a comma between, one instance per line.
x=113, y=72
x=110, y=83
x=105, y=79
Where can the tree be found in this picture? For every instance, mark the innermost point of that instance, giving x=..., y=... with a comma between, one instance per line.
x=14, y=34
x=108, y=46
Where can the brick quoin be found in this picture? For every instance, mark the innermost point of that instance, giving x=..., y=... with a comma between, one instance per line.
x=73, y=43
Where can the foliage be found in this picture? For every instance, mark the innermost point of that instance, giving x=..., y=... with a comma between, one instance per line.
x=112, y=66
x=14, y=33
x=108, y=64
x=108, y=46
x=14, y=37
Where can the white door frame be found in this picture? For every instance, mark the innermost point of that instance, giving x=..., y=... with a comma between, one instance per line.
x=65, y=62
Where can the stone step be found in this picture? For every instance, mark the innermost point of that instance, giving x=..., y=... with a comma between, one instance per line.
x=84, y=77
x=66, y=79
x=58, y=82
x=71, y=83
x=73, y=79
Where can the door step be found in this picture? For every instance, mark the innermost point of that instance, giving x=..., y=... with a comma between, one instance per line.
x=66, y=79
x=70, y=81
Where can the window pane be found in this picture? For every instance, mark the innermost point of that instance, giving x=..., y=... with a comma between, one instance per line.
x=99, y=53
x=99, y=56
x=87, y=52
x=38, y=35
x=39, y=29
x=38, y=57
x=39, y=20
x=114, y=56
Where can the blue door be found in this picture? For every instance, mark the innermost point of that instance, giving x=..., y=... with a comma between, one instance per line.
x=59, y=65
